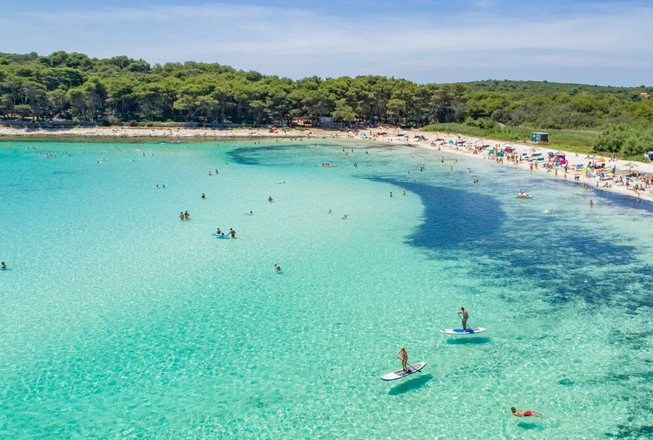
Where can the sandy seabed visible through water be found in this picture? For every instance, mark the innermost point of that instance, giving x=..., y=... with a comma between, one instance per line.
x=121, y=321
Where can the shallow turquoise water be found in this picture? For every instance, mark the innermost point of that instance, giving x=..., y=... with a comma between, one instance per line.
x=118, y=320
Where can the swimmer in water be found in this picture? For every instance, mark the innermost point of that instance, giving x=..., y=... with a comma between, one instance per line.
x=329, y=211
x=203, y=196
x=270, y=199
x=591, y=203
x=344, y=217
x=181, y=215
x=527, y=413
x=232, y=233
x=277, y=267
x=219, y=232
x=403, y=193
x=390, y=193
x=186, y=215
x=4, y=266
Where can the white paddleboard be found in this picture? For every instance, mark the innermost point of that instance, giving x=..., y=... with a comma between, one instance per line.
x=412, y=369
x=459, y=331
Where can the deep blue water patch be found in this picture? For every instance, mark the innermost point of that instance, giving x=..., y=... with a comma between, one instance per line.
x=555, y=258
x=454, y=218
x=277, y=154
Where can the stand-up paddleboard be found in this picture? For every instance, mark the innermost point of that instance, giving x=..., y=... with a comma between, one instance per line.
x=459, y=331
x=412, y=369
x=223, y=237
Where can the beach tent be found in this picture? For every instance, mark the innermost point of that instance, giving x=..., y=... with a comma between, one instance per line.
x=450, y=141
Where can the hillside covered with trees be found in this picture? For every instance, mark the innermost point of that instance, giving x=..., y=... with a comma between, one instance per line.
x=72, y=86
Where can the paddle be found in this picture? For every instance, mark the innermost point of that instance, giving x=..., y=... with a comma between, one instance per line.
x=408, y=367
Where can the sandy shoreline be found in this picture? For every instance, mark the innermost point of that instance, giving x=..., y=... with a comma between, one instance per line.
x=432, y=141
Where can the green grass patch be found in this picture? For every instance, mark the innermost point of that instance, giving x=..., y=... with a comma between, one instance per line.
x=579, y=141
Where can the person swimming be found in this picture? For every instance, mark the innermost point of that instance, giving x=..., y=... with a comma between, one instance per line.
x=181, y=215
x=345, y=216
x=203, y=196
x=527, y=413
x=4, y=266
x=270, y=199
x=187, y=215
x=219, y=232
x=277, y=267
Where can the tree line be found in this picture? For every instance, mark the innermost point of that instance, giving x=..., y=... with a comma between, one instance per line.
x=73, y=86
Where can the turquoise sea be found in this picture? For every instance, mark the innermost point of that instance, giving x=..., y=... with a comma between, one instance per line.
x=120, y=321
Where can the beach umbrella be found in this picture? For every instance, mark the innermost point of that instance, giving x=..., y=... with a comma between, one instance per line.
x=601, y=160
x=550, y=153
x=630, y=165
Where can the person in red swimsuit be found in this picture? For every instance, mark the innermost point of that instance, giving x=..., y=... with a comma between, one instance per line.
x=527, y=413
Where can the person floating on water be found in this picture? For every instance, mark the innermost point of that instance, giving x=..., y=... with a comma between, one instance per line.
x=527, y=413
x=277, y=267
x=404, y=358
x=203, y=196
x=464, y=316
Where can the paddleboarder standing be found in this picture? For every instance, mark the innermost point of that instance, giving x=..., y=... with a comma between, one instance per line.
x=464, y=316
x=404, y=358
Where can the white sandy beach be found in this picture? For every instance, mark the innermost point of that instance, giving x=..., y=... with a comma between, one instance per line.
x=433, y=141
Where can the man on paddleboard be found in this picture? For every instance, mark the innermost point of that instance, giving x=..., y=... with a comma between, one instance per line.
x=465, y=316
x=404, y=358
